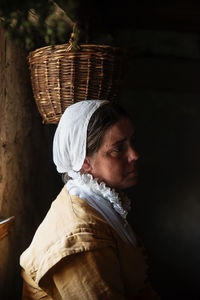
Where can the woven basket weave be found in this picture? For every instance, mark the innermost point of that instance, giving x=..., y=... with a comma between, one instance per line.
x=60, y=77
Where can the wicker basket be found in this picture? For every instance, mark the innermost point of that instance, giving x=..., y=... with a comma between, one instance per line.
x=60, y=77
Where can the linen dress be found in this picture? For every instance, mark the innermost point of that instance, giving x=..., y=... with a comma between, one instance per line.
x=76, y=254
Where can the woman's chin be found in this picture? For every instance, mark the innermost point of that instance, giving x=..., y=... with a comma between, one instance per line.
x=131, y=182
x=125, y=182
x=128, y=183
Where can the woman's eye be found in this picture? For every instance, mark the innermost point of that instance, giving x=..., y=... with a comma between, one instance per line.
x=118, y=148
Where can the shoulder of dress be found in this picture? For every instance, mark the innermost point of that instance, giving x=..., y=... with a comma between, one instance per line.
x=78, y=211
x=70, y=226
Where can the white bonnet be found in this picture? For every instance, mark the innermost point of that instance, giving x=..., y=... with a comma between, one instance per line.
x=69, y=144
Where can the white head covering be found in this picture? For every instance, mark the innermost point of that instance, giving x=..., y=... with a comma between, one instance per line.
x=69, y=144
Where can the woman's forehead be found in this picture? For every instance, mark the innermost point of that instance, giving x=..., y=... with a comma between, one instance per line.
x=121, y=130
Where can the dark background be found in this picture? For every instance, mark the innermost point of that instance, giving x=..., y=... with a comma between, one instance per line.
x=162, y=93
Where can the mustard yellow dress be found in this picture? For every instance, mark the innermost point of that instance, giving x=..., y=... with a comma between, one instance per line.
x=75, y=254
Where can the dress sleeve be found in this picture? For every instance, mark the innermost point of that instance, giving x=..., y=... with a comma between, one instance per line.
x=89, y=275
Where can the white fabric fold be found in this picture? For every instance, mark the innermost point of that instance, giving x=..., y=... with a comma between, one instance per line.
x=112, y=206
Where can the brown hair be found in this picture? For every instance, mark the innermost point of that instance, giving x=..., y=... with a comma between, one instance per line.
x=104, y=117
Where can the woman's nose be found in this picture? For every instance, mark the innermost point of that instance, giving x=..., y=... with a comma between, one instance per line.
x=132, y=154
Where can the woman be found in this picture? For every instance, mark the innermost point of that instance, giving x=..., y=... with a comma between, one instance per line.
x=84, y=248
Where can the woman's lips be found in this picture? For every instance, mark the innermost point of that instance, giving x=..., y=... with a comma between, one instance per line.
x=133, y=172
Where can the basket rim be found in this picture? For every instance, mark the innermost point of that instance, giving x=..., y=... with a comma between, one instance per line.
x=92, y=46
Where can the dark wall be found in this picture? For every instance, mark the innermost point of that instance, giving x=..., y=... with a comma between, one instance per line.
x=162, y=93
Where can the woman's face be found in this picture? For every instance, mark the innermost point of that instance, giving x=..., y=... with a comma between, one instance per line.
x=115, y=161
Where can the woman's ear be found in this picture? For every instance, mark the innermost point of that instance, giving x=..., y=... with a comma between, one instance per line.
x=86, y=167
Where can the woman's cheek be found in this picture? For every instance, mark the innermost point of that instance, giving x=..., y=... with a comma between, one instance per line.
x=117, y=170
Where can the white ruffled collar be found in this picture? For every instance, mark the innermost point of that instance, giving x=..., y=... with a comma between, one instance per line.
x=120, y=202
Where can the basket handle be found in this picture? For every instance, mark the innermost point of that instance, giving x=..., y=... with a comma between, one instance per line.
x=73, y=41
